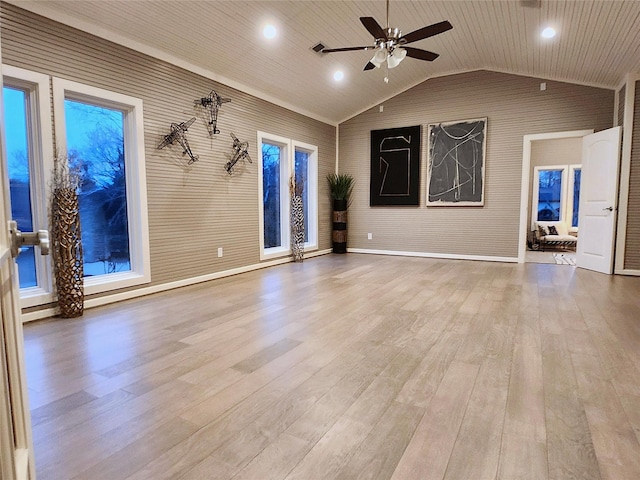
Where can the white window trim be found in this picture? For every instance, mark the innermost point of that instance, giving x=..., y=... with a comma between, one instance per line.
x=41, y=164
x=285, y=248
x=135, y=177
x=312, y=192
x=571, y=183
x=536, y=191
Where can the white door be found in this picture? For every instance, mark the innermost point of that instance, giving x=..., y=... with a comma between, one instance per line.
x=16, y=448
x=598, y=200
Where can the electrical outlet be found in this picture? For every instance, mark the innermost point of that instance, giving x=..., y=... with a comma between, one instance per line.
x=369, y=236
x=219, y=252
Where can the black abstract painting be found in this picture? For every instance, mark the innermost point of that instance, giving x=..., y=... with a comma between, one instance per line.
x=456, y=163
x=395, y=166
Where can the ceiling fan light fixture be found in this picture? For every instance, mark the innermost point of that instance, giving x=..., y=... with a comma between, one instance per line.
x=396, y=57
x=379, y=58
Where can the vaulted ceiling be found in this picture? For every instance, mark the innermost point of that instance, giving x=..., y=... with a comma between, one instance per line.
x=597, y=42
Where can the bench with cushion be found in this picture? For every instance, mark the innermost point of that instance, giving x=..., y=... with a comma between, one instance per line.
x=554, y=233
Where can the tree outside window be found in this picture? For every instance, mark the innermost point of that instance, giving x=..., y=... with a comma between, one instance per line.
x=95, y=145
x=271, y=186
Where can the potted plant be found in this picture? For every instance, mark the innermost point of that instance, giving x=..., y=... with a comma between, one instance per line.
x=340, y=186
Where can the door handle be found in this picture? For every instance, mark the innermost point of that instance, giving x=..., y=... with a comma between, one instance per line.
x=20, y=239
x=610, y=209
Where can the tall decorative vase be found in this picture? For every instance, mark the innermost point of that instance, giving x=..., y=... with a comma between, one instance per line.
x=66, y=245
x=296, y=213
x=339, y=226
x=297, y=228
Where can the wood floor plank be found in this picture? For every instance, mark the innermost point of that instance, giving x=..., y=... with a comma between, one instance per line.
x=427, y=455
x=631, y=406
x=525, y=409
x=275, y=461
x=570, y=447
x=476, y=452
x=115, y=428
x=121, y=464
x=522, y=458
x=613, y=436
x=523, y=453
x=379, y=453
x=426, y=378
x=307, y=385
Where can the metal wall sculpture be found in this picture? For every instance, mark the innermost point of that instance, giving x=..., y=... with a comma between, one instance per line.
x=209, y=107
x=240, y=152
x=179, y=135
x=456, y=163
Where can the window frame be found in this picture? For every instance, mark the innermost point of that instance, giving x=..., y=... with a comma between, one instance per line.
x=287, y=168
x=135, y=175
x=566, y=200
x=536, y=191
x=312, y=192
x=41, y=153
x=285, y=235
x=570, y=188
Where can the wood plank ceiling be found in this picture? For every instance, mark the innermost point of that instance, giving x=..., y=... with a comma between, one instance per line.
x=598, y=42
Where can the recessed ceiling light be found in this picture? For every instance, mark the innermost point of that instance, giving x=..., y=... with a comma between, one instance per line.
x=269, y=31
x=338, y=75
x=548, y=32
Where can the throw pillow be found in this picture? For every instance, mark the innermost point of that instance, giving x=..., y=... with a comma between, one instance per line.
x=541, y=231
x=553, y=230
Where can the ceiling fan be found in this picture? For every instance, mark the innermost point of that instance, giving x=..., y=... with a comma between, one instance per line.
x=390, y=43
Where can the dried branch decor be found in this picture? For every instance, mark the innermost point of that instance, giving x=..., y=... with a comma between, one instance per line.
x=66, y=245
x=297, y=219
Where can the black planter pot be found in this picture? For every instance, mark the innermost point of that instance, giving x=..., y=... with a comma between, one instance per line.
x=339, y=226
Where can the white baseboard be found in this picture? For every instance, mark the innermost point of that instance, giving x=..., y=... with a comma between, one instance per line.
x=140, y=292
x=449, y=256
x=628, y=271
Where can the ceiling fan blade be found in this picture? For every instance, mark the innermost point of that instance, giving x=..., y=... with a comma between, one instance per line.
x=368, y=66
x=344, y=49
x=373, y=27
x=421, y=54
x=426, y=32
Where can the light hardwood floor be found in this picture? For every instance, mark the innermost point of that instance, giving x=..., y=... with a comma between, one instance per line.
x=348, y=367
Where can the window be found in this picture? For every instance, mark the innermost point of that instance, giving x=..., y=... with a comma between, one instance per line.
x=102, y=135
x=16, y=107
x=95, y=146
x=550, y=193
x=29, y=154
x=574, y=193
x=280, y=159
x=556, y=194
x=306, y=171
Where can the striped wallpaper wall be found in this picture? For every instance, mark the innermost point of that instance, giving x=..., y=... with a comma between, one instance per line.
x=620, y=99
x=632, y=242
x=515, y=106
